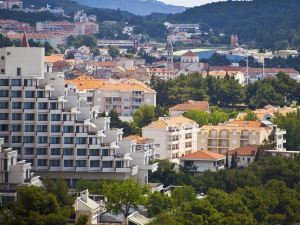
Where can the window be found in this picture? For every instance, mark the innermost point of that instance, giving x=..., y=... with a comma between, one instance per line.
x=29, y=151
x=16, y=128
x=16, y=116
x=55, y=117
x=3, y=105
x=28, y=83
x=43, y=105
x=3, y=116
x=54, y=163
x=40, y=94
x=68, y=151
x=29, y=116
x=105, y=152
x=68, y=140
x=94, y=163
x=68, y=163
x=28, y=139
x=55, y=128
x=29, y=128
x=68, y=129
x=29, y=94
x=16, y=94
x=81, y=152
x=2, y=57
x=43, y=117
x=3, y=127
x=54, y=140
x=18, y=71
x=42, y=128
x=41, y=151
x=107, y=164
x=16, y=105
x=81, y=140
x=94, y=152
x=42, y=139
x=16, y=139
x=55, y=151
x=2, y=71
x=81, y=163
x=3, y=93
x=28, y=105
x=42, y=162
x=16, y=82
x=53, y=105
x=4, y=82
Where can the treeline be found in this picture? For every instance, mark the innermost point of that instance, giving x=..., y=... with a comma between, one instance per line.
x=264, y=23
x=227, y=92
x=267, y=192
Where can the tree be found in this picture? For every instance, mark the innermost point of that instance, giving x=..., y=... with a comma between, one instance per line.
x=144, y=115
x=218, y=116
x=183, y=194
x=82, y=220
x=158, y=202
x=200, y=117
x=113, y=51
x=226, y=161
x=250, y=116
x=6, y=216
x=122, y=196
x=233, y=162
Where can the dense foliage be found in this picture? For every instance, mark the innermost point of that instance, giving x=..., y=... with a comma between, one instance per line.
x=227, y=92
x=266, y=23
x=267, y=192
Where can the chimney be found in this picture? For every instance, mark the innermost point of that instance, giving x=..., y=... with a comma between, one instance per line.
x=24, y=42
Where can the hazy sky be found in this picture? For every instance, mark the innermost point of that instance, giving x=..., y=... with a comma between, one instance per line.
x=188, y=3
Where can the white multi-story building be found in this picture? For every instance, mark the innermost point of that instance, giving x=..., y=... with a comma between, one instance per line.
x=143, y=154
x=13, y=174
x=52, y=125
x=125, y=97
x=174, y=136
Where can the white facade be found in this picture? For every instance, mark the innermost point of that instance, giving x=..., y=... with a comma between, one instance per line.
x=174, y=136
x=53, y=126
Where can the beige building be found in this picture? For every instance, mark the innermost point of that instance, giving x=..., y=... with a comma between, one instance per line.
x=124, y=96
x=173, y=136
x=229, y=136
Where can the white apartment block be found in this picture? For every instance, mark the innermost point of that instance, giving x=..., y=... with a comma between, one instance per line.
x=124, y=96
x=173, y=136
x=229, y=136
x=52, y=125
x=143, y=153
x=13, y=174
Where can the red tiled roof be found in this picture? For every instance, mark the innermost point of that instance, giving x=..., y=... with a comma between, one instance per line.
x=189, y=54
x=24, y=42
x=247, y=150
x=61, y=63
x=191, y=105
x=138, y=139
x=203, y=155
x=243, y=123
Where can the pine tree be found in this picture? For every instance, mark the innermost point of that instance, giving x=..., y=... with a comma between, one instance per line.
x=226, y=162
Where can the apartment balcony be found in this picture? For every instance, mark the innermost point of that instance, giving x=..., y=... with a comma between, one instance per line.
x=97, y=133
x=152, y=167
x=108, y=170
x=244, y=137
x=223, y=136
x=126, y=156
x=41, y=168
x=94, y=157
x=212, y=137
x=95, y=169
x=52, y=168
x=108, y=158
x=132, y=170
x=68, y=169
x=81, y=169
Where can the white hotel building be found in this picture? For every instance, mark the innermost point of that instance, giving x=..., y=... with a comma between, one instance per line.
x=52, y=126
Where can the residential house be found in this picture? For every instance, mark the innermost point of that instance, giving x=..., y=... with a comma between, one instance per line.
x=245, y=155
x=203, y=160
x=180, y=109
x=174, y=136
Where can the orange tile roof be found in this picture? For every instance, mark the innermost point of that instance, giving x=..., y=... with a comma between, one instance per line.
x=191, y=105
x=170, y=121
x=203, y=155
x=189, y=54
x=88, y=83
x=247, y=150
x=138, y=139
x=54, y=58
x=61, y=63
x=268, y=110
x=243, y=123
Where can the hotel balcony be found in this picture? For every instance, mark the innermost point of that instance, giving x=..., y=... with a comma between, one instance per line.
x=126, y=156
x=108, y=169
x=132, y=170
x=108, y=158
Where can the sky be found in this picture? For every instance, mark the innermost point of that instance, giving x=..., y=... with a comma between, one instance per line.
x=188, y=3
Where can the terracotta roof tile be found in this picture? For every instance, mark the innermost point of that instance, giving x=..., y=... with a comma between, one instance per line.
x=189, y=54
x=247, y=150
x=191, y=105
x=170, y=121
x=203, y=155
x=138, y=139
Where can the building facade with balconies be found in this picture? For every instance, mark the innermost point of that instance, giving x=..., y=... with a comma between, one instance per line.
x=53, y=126
x=174, y=136
x=232, y=135
x=125, y=96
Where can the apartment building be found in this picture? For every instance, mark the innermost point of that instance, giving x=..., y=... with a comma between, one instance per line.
x=13, y=174
x=52, y=125
x=143, y=154
x=174, y=136
x=232, y=135
x=124, y=96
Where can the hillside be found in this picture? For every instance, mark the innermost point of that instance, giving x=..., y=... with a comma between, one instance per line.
x=265, y=23
x=138, y=7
